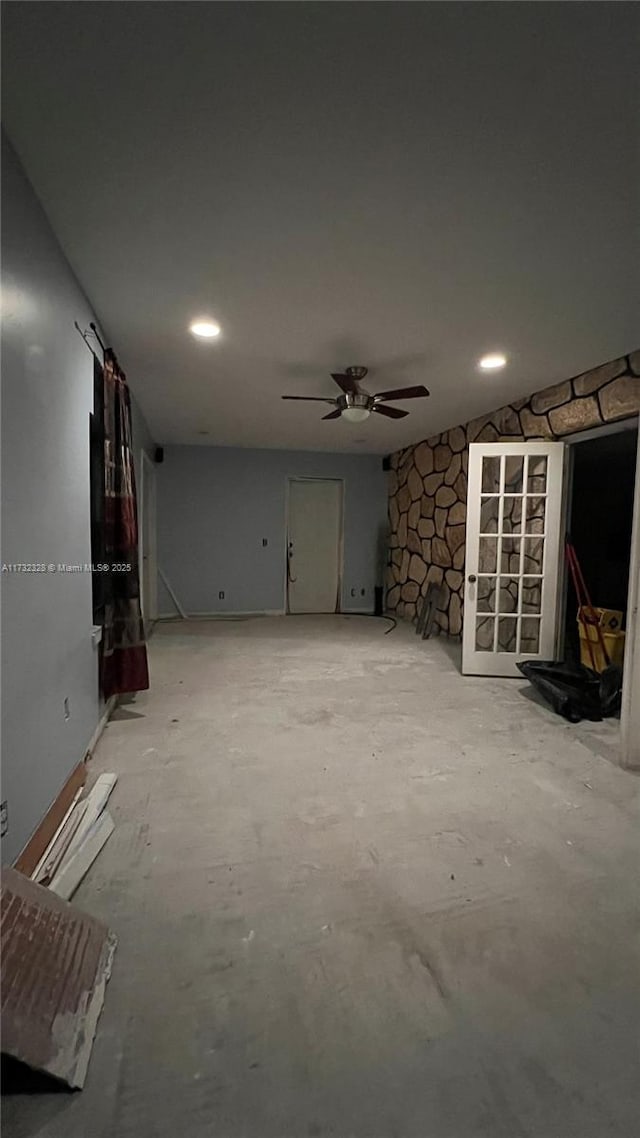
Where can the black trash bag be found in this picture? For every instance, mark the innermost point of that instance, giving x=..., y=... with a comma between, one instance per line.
x=611, y=690
x=575, y=691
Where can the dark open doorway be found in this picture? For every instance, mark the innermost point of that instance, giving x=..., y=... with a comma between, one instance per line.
x=600, y=522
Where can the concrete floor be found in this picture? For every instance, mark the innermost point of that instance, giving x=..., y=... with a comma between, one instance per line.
x=357, y=895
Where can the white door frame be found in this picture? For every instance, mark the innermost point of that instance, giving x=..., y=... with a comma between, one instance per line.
x=630, y=711
x=303, y=478
x=567, y=502
x=149, y=605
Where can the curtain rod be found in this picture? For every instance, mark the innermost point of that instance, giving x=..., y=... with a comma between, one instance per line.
x=85, y=337
x=97, y=335
x=92, y=331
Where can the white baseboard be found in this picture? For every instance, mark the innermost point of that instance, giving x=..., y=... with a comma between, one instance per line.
x=109, y=708
x=232, y=615
x=222, y=615
x=172, y=616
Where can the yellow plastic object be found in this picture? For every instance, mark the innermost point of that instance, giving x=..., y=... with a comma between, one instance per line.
x=610, y=621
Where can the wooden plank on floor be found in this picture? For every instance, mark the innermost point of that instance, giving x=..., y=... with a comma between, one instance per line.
x=76, y=865
x=60, y=844
x=96, y=800
x=56, y=962
x=62, y=828
x=35, y=848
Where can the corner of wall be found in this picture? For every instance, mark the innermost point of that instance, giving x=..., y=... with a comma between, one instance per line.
x=428, y=481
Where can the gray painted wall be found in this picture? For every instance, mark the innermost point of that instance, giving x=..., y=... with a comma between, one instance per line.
x=216, y=504
x=47, y=651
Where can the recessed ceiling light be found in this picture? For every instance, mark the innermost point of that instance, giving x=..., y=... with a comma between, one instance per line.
x=204, y=329
x=493, y=361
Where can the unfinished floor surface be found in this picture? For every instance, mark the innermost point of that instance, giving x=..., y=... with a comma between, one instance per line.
x=356, y=895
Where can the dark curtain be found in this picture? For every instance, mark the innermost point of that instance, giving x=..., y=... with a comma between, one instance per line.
x=96, y=482
x=124, y=653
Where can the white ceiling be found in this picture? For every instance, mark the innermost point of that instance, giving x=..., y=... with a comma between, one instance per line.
x=400, y=185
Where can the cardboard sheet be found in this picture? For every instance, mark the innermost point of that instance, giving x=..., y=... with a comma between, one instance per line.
x=56, y=962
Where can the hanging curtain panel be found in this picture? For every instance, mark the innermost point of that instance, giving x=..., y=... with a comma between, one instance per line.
x=124, y=653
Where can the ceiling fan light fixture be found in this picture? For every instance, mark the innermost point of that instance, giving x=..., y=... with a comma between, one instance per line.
x=356, y=414
x=355, y=405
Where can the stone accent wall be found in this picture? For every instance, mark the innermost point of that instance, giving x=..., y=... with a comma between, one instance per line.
x=428, y=481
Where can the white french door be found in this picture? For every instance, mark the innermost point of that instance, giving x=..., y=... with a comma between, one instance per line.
x=514, y=512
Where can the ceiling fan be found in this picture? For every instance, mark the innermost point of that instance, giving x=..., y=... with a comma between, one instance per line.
x=354, y=404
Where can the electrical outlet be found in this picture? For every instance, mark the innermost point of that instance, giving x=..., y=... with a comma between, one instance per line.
x=221, y=595
x=265, y=541
x=67, y=708
x=4, y=817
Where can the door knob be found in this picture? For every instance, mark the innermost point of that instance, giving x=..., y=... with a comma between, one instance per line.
x=472, y=578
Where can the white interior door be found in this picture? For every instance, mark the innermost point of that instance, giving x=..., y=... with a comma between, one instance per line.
x=147, y=541
x=314, y=545
x=514, y=511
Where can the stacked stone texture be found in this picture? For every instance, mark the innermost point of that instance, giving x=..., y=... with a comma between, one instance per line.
x=428, y=481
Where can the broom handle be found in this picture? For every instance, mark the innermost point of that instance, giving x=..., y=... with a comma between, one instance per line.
x=594, y=615
x=576, y=584
x=582, y=593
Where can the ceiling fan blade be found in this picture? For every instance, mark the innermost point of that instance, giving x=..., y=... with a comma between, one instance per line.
x=333, y=414
x=346, y=383
x=390, y=412
x=418, y=392
x=310, y=398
